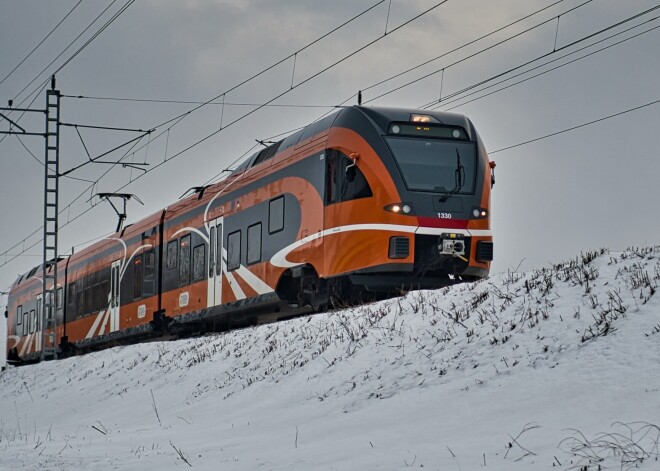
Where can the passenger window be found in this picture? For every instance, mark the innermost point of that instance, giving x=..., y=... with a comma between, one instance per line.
x=19, y=321
x=184, y=260
x=71, y=300
x=89, y=300
x=172, y=253
x=344, y=181
x=148, y=287
x=138, y=273
x=276, y=215
x=98, y=297
x=254, y=244
x=234, y=250
x=58, y=298
x=80, y=303
x=199, y=262
x=32, y=321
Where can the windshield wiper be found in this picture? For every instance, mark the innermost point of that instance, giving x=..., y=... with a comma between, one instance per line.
x=459, y=179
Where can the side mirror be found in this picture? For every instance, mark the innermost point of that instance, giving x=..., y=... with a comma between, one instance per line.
x=492, y=166
x=350, y=173
x=350, y=169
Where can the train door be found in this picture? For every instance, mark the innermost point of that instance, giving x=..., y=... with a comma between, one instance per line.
x=215, y=264
x=115, y=278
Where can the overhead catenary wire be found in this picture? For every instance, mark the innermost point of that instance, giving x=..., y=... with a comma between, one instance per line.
x=443, y=104
x=544, y=55
x=193, y=102
x=463, y=46
x=479, y=52
x=68, y=47
x=40, y=43
x=578, y=126
x=179, y=118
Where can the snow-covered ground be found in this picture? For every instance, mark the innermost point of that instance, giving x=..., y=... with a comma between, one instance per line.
x=553, y=369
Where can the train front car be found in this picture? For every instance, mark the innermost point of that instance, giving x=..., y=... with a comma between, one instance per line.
x=407, y=199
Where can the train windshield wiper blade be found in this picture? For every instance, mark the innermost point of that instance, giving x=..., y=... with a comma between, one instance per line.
x=459, y=178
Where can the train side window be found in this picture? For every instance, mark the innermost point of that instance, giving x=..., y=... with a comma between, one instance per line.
x=276, y=215
x=199, y=262
x=105, y=292
x=18, y=324
x=234, y=250
x=80, y=303
x=89, y=300
x=148, y=286
x=138, y=274
x=98, y=297
x=26, y=323
x=58, y=298
x=71, y=300
x=172, y=253
x=184, y=260
x=32, y=321
x=254, y=243
x=344, y=180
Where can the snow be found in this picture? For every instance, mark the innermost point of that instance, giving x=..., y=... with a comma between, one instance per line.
x=555, y=368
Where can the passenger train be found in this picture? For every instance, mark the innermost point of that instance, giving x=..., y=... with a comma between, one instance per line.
x=364, y=202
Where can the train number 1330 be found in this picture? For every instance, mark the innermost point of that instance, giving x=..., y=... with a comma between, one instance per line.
x=444, y=215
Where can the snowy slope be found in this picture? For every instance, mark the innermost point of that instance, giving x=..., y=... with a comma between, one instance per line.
x=557, y=368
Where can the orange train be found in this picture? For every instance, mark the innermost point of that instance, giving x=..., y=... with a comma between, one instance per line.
x=366, y=200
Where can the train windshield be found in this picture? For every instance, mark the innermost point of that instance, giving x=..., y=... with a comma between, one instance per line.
x=433, y=165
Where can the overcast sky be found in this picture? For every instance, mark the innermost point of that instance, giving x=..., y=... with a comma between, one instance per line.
x=592, y=187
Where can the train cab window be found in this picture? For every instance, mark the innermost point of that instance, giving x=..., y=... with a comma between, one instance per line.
x=233, y=250
x=344, y=181
x=276, y=215
x=148, y=286
x=138, y=274
x=254, y=244
x=199, y=262
x=184, y=260
x=18, y=324
x=172, y=254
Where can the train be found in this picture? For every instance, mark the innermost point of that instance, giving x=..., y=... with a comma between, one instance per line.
x=361, y=203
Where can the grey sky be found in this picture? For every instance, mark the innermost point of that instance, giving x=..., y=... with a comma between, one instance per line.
x=593, y=187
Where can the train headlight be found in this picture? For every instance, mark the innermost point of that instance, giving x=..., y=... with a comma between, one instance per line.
x=479, y=213
x=396, y=129
x=422, y=118
x=400, y=208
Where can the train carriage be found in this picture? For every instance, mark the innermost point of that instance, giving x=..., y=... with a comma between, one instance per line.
x=366, y=200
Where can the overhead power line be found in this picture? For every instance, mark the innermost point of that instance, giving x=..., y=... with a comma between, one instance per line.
x=573, y=128
x=188, y=102
x=179, y=118
x=40, y=43
x=443, y=104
